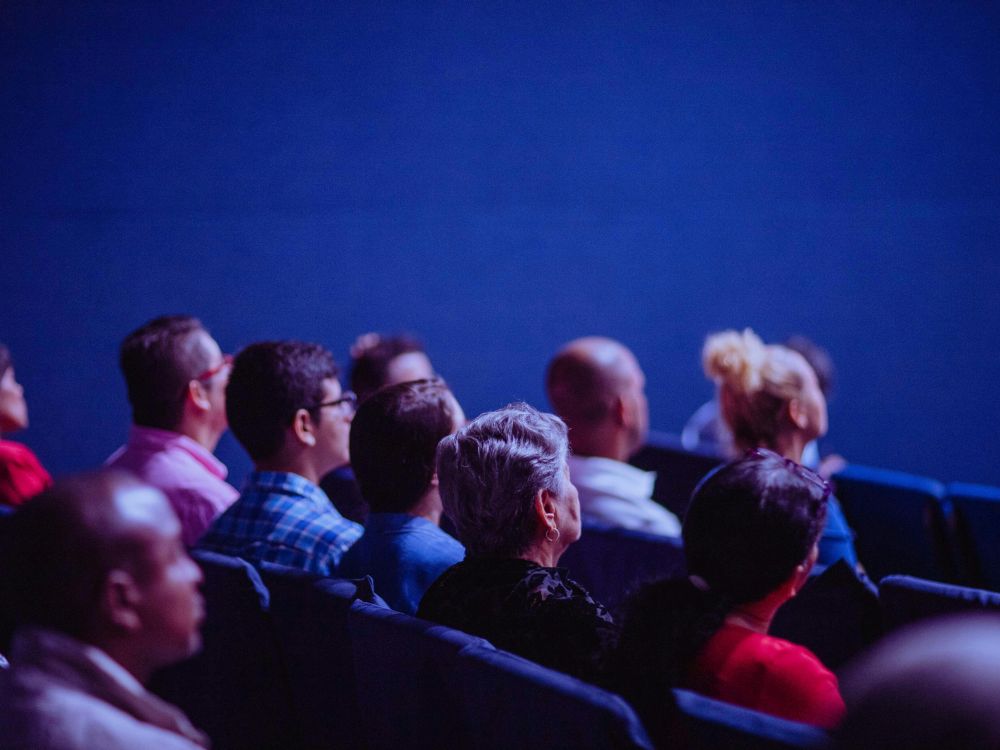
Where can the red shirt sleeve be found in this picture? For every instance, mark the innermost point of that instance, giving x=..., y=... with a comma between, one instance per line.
x=21, y=474
x=797, y=686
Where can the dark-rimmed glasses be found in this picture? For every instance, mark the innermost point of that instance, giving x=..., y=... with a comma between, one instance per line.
x=348, y=397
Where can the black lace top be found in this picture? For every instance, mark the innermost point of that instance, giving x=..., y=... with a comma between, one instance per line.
x=517, y=605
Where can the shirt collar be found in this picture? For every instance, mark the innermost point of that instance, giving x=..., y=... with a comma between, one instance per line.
x=153, y=440
x=287, y=483
x=585, y=469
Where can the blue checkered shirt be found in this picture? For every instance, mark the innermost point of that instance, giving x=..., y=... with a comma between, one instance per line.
x=286, y=519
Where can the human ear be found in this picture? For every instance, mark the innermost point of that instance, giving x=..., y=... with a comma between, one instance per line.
x=797, y=414
x=303, y=428
x=198, y=395
x=545, y=508
x=119, y=601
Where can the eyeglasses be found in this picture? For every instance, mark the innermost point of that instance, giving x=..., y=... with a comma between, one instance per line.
x=349, y=398
x=227, y=361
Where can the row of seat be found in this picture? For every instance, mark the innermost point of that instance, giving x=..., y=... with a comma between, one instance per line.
x=291, y=660
x=904, y=524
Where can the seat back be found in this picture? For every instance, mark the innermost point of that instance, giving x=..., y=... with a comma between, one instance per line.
x=235, y=689
x=611, y=563
x=708, y=724
x=900, y=522
x=836, y=615
x=678, y=470
x=977, y=520
x=406, y=677
x=310, y=616
x=904, y=600
x=510, y=702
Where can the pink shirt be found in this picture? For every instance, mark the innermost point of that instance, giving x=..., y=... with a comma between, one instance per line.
x=189, y=475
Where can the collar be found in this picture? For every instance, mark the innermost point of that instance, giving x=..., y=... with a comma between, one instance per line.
x=597, y=471
x=153, y=440
x=286, y=483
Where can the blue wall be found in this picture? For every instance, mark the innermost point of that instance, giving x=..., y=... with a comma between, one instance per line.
x=503, y=177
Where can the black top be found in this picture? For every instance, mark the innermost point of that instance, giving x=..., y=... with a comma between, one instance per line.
x=517, y=605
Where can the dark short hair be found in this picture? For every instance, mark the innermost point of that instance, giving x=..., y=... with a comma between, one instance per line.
x=158, y=361
x=56, y=552
x=370, y=366
x=270, y=381
x=394, y=438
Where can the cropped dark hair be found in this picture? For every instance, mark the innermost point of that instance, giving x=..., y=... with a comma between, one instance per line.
x=394, y=438
x=490, y=472
x=158, y=361
x=270, y=381
x=750, y=523
x=56, y=552
x=370, y=363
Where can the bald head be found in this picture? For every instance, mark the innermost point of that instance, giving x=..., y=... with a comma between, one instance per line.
x=596, y=385
x=59, y=548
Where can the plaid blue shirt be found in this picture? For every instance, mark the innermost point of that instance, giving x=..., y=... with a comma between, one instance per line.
x=286, y=519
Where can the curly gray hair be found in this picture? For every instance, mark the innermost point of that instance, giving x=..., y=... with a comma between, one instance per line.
x=490, y=472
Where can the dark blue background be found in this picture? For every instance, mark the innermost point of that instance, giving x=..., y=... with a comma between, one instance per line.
x=502, y=177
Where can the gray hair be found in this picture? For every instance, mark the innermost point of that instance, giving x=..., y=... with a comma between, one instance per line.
x=490, y=472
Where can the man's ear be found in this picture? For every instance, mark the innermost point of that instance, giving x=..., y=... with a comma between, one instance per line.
x=198, y=396
x=304, y=428
x=620, y=411
x=119, y=601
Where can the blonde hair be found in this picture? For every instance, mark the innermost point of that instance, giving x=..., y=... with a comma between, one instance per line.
x=756, y=381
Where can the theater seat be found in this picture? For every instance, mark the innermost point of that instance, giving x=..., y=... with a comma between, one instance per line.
x=836, y=615
x=235, y=689
x=709, y=724
x=678, y=470
x=904, y=600
x=977, y=512
x=611, y=563
x=310, y=619
x=405, y=670
x=900, y=522
x=510, y=702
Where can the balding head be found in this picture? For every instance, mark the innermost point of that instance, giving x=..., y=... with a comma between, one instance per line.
x=596, y=385
x=98, y=557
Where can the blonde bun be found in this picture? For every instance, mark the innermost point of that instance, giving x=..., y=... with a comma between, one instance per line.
x=735, y=359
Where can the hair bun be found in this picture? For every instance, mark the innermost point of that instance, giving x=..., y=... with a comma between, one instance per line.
x=735, y=359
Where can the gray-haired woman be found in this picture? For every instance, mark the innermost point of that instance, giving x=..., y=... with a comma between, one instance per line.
x=505, y=484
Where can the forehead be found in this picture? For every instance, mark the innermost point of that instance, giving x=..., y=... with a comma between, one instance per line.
x=203, y=342
x=146, y=508
x=409, y=366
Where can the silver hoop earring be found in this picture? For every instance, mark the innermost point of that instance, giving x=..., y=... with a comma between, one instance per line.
x=552, y=534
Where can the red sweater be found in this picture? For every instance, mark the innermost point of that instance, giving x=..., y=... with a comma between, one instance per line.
x=767, y=674
x=21, y=475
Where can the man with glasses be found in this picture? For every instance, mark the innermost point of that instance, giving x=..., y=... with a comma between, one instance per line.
x=285, y=407
x=176, y=377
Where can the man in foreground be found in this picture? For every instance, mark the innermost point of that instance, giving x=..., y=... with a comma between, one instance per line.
x=101, y=593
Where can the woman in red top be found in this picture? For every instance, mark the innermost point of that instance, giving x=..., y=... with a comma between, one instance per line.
x=21, y=474
x=750, y=539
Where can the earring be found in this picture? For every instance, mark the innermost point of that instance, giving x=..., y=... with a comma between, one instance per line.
x=552, y=534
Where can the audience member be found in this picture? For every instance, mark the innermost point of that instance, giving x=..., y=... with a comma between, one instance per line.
x=505, y=483
x=102, y=593
x=597, y=387
x=750, y=540
x=707, y=430
x=394, y=438
x=285, y=407
x=176, y=377
x=770, y=398
x=376, y=362
x=21, y=473
x=933, y=685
